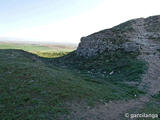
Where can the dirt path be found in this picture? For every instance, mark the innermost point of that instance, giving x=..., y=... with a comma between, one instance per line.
x=150, y=54
x=115, y=110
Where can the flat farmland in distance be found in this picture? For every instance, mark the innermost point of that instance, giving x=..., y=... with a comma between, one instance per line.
x=43, y=50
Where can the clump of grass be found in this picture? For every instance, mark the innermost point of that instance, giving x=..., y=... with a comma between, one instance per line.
x=157, y=96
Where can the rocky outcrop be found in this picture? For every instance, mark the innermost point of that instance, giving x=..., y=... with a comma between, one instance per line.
x=128, y=36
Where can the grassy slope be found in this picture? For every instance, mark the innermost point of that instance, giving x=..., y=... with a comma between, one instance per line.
x=31, y=89
x=125, y=66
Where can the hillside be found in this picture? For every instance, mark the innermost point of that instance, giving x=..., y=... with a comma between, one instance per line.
x=31, y=89
x=112, y=72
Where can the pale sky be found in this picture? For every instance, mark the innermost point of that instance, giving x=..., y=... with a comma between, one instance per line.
x=67, y=20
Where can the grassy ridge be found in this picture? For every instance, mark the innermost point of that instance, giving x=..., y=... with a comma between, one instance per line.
x=32, y=90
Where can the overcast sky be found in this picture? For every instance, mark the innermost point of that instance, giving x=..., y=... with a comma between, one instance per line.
x=67, y=20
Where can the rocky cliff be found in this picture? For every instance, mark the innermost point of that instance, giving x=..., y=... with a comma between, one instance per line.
x=129, y=36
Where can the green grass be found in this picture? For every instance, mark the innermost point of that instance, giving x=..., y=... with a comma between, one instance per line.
x=48, y=51
x=37, y=88
x=51, y=54
x=125, y=66
x=26, y=47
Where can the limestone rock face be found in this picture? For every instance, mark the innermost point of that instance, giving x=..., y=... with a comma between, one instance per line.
x=93, y=46
x=128, y=36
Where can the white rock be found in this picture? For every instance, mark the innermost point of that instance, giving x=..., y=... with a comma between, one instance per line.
x=111, y=72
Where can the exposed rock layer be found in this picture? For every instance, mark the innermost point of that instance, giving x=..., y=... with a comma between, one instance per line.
x=127, y=36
